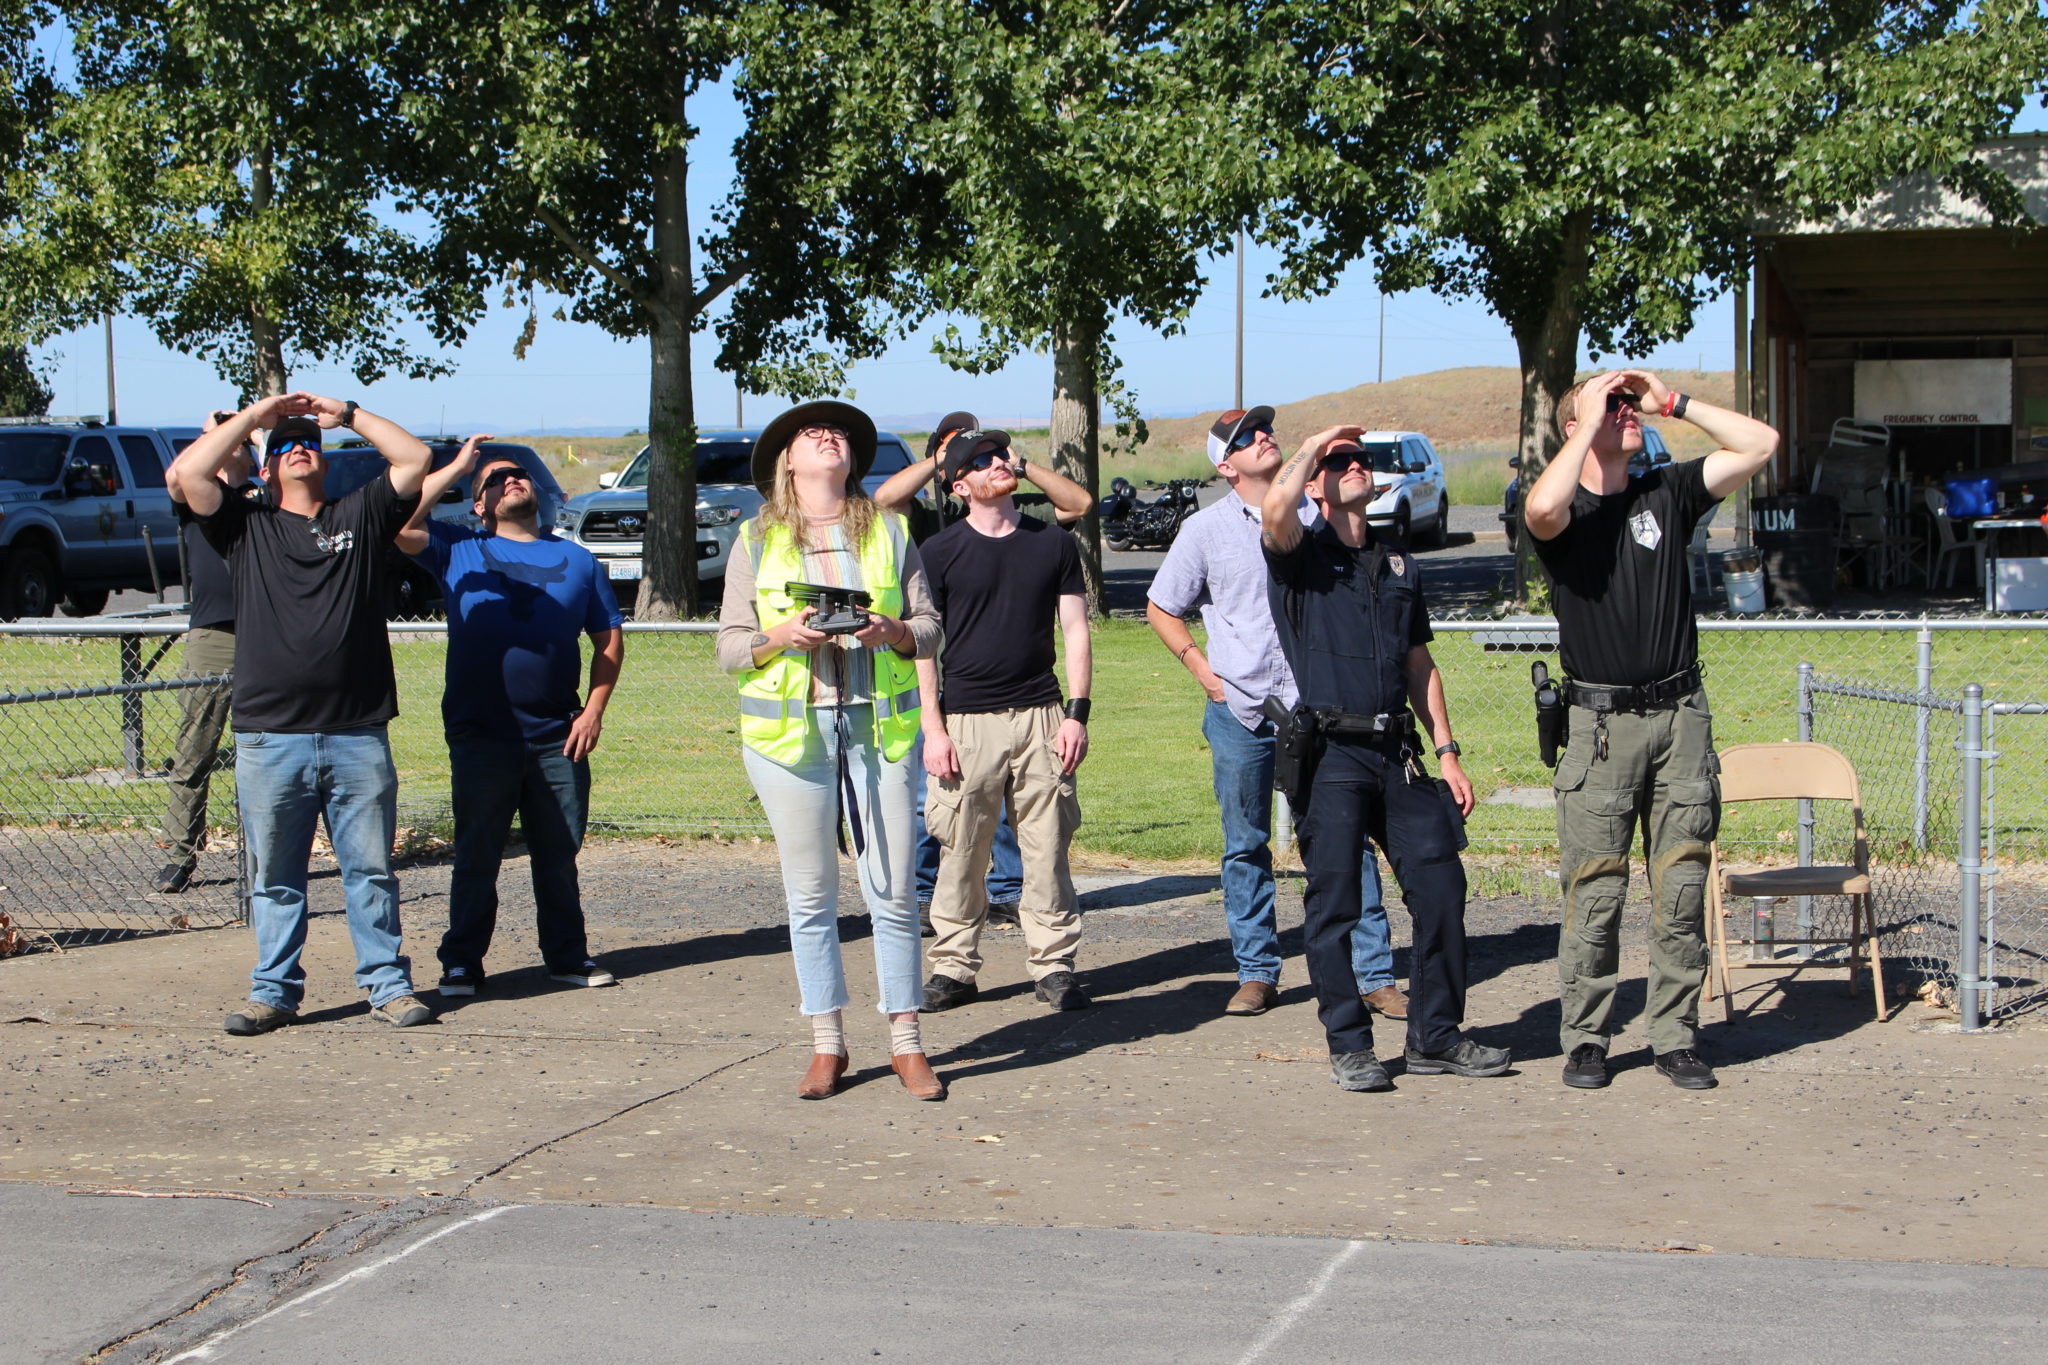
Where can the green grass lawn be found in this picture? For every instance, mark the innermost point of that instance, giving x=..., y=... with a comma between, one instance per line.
x=669, y=762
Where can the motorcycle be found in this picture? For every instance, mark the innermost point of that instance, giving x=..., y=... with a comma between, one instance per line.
x=1129, y=523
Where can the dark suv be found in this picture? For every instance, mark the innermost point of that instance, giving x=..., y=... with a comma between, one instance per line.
x=83, y=513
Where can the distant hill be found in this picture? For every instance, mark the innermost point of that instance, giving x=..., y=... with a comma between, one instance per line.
x=1472, y=409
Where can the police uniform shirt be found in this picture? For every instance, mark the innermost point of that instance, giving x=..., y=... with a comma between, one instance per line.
x=1347, y=619
x=1619, y=579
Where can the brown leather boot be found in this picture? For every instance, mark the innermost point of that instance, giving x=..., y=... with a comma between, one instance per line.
x=1389, y=1001
x=822, y=1080
x=1253, y=997
x=917, y=1076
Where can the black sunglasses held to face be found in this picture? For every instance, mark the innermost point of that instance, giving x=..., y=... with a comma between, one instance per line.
x=1337, y=461
x=1621, y=397
x=503, y=475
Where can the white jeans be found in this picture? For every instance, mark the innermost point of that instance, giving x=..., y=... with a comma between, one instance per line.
x=802, y=805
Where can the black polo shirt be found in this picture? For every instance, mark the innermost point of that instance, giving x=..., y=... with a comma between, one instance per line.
x=1347, y=619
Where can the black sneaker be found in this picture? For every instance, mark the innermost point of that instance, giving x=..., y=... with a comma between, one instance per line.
x=584, y=973
x=1464, y=1058
x=924, y=920
x=172, y=878
x=1685, y=1070
x=944, y=993
x=461, y=981
x=1058, y=990
x=1586, y=1068
x=1007, y=913
x=257, y=1017
x=1359, y=1071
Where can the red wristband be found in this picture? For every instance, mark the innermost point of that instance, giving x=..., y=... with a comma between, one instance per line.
x=1670, y=401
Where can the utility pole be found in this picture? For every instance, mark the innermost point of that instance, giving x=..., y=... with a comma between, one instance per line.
x=113, y=419
x=1237, y=389
x=1380, y=370
x=739, y=404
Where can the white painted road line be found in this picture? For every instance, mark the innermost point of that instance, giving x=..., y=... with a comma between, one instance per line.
x=1287, y=1316
x=205, y=1350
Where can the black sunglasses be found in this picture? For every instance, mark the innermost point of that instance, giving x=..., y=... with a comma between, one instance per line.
x=1618, y=398
x=985, y=459
x=502, y=475
x=1339, y=460
x=1245, y=439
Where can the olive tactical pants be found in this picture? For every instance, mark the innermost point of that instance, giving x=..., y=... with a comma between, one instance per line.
x=1659, y=772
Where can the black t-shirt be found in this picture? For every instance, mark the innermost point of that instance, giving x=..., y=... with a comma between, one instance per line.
x=211, y=596
x=1347, y=619
x=1619, y=581
x=999, y=598
x=311, y=653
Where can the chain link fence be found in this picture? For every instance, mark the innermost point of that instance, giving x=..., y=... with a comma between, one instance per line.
x=2015, y=865
x=84, y=796
x=80, y=774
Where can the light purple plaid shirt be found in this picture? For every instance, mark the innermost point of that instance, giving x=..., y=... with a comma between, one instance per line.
x=1216, y=564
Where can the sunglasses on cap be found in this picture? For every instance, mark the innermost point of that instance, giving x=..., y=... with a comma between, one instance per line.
x=1620, y=398
x=503, y=475
x=1246, y=438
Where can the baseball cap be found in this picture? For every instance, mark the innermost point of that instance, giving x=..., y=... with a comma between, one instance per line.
x=961, y=449
x=950, y=423
x=1230, y=424
x=295, y=429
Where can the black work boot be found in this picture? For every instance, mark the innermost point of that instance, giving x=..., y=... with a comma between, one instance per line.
x=942, y=992
x=1358, y=1071
x=1462, y=1058
x=1058, y=990
x=1586, y=1068
x=1685, y=1070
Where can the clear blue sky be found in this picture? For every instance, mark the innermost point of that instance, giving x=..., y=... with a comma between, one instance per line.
x=578, y=376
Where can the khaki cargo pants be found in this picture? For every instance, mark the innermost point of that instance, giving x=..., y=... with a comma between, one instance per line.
x=1004, y=755
x=1660, y=774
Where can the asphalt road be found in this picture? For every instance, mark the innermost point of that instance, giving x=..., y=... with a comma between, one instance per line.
x=330, y=1282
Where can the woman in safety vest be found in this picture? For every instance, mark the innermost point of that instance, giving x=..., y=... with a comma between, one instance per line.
x=828, y=716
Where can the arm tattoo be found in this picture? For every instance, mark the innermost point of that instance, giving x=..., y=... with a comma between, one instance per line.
x=760, y=638
x=1299, y=456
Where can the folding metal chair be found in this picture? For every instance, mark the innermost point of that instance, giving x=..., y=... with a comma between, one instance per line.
x=1792, y=772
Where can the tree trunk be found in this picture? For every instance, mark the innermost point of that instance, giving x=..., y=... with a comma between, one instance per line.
x=1549, y=352
x=266, y=342
x=1076, y=438
x=668, y=585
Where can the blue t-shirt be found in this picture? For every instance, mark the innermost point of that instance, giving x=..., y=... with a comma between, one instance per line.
x=517, y=610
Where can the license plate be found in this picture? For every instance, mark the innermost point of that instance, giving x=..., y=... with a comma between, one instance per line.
x=624, y=568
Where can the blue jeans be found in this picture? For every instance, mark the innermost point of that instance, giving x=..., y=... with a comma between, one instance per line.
x=286, y=782
x=1243, y=761
x=801, y=801
x=1006, y=865
x=491, y=780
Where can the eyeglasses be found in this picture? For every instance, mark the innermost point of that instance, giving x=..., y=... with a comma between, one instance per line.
x=985, y=459
x=293, y=443
x=821, y=433
x=1245, y=439
x=503, y=475
x=1618, y=399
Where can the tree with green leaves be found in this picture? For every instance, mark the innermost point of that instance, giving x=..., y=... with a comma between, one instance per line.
x=560, y=137
x=1595, y=172
x=219, y=169
x=1042, y=169
x=22, y=390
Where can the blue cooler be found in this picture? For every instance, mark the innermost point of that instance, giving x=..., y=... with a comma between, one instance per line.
x=1972, y=497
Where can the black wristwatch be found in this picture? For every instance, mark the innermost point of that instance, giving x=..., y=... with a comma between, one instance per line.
x=348, y=414
x=1451, y=748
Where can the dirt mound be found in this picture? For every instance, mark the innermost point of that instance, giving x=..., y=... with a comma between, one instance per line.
x=1473, y=408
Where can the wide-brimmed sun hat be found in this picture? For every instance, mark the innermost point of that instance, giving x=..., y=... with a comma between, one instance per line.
x=825, y=412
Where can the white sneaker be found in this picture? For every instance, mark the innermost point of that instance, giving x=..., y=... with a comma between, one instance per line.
x=588, y=974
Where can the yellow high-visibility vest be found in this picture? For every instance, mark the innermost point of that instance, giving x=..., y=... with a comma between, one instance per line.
x=774, y=697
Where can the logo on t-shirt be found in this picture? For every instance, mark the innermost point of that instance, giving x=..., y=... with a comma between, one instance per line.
x=1643, y=526
x=340, y=543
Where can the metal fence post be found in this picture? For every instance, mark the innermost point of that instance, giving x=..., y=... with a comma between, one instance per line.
x=1969, y=855
x=1923, y=721
x=1806, y=810
x=132, y=745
